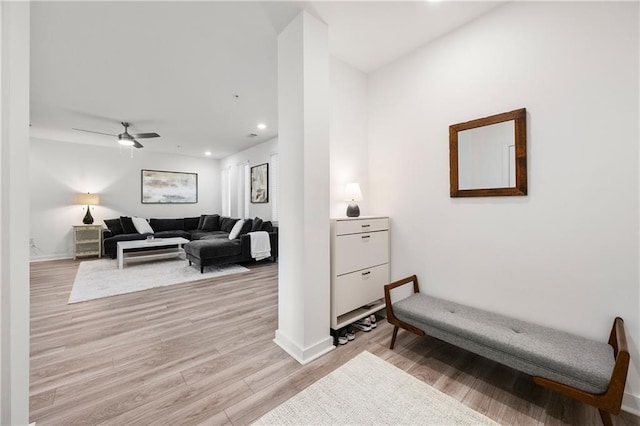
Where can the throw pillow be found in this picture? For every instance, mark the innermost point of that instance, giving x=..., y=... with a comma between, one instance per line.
x=257, y=225
x=141, y=225
x=226, y=224
x=114, y=226
x=235, y=231
x=127, y=225
x=246, y=227
x=191, y=223
x=267, y=226
x=211, y=223
x=201, y=220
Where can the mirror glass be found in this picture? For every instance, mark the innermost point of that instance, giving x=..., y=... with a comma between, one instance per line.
x=488, y=156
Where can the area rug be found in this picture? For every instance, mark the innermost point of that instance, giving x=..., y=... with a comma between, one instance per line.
x=102, y=278
x=369, y=391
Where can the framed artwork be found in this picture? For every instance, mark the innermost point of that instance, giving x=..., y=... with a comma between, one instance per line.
x=159, y=187
x=260, y=183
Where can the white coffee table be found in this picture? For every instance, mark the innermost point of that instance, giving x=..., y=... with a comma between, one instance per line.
x=155, y=249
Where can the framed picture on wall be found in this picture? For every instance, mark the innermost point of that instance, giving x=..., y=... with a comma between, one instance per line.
x=260, y=183
x=160, y=187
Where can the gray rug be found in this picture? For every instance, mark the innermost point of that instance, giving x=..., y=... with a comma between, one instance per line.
x=102, y=278
x=370, y=391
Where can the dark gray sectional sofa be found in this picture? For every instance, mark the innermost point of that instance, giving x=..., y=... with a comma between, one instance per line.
x=209, y=233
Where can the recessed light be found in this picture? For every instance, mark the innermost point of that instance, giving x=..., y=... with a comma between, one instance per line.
x=207, y=153
x=262, y=126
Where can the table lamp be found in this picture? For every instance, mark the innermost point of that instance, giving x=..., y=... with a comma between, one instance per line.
x=352, y=194
x=90, y=200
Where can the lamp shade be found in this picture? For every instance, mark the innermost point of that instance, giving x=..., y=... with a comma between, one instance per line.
x=352, y=192
x=87, y=199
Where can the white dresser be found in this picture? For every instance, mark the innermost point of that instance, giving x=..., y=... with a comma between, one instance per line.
x=359, y=267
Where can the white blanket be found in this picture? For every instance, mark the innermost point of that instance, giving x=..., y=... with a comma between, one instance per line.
x=260, y=245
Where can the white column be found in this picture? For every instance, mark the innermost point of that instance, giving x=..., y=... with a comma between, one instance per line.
x=303, y=144
x=14, y=213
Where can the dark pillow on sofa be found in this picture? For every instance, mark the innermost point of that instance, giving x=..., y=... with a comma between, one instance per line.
x=246, y=226
x=114, y=225
x=201, y=220
x=191, y=223
x=127, y=225
x=267, y=226
x=167, y=224
x=226, y=224
x=257, y=225
x=211, y=223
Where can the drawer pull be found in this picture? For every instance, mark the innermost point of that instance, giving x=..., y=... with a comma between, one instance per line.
x=366, y=273
x=366, y=226
x=366, y=236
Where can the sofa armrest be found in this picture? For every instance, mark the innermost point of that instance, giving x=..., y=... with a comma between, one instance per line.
x=106, y=233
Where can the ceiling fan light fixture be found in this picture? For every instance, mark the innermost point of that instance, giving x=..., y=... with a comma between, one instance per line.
x=126, y=142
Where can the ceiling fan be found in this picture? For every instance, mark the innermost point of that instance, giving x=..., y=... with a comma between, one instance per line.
x=126, y=138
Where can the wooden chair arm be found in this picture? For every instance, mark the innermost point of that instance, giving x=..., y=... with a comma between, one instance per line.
x=391, y=318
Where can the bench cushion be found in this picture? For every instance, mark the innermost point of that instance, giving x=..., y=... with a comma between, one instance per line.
x=533, y=349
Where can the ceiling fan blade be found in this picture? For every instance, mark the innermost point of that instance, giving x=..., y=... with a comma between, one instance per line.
x=91, y=131
x=146, y=135
x=137, y=144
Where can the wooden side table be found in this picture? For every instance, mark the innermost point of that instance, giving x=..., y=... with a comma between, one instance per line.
x=87, y=240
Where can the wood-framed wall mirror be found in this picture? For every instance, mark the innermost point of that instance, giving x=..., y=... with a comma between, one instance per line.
x=488, y=156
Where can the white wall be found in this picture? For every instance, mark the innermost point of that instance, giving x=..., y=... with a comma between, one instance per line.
x=60, y=170
x=566, y=255
x=348, y=136
x=256, y=155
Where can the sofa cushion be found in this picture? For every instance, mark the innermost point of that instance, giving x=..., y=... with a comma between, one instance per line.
x=267, y=226
x=114, y=226
x=198, y=235
x=246, y=226
x=191, y=223
x=171, y=234
x=201, y=220
x=142, y=226
x=127, y=225
x=213, y=235
x=235, y=231
x=256, y=225
x=207, y=249
x=211, y=223
x=226, y=224
x=167, y=224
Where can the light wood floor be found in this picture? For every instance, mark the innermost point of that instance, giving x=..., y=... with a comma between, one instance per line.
x=202, y=353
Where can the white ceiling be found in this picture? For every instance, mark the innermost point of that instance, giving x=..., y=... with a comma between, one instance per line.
x=175, y=68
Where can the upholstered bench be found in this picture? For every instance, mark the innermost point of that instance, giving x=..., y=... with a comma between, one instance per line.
x=589, y=371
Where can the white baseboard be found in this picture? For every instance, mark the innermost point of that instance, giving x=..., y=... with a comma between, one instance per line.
x=631, y=403
x=55, y=256
x=304, y=355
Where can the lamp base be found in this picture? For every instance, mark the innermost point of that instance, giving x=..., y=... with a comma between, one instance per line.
x=353, y=210
x=88, y=219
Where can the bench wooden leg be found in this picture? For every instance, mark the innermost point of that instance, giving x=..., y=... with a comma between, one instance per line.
x=606, y=418
x=393, y=338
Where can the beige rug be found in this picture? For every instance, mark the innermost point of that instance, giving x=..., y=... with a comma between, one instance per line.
x=370, y=391
x=102, y=278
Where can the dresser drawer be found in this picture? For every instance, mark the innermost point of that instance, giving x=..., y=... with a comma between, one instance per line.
x=344, y=227
x=351, y=291
x=358, y=251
